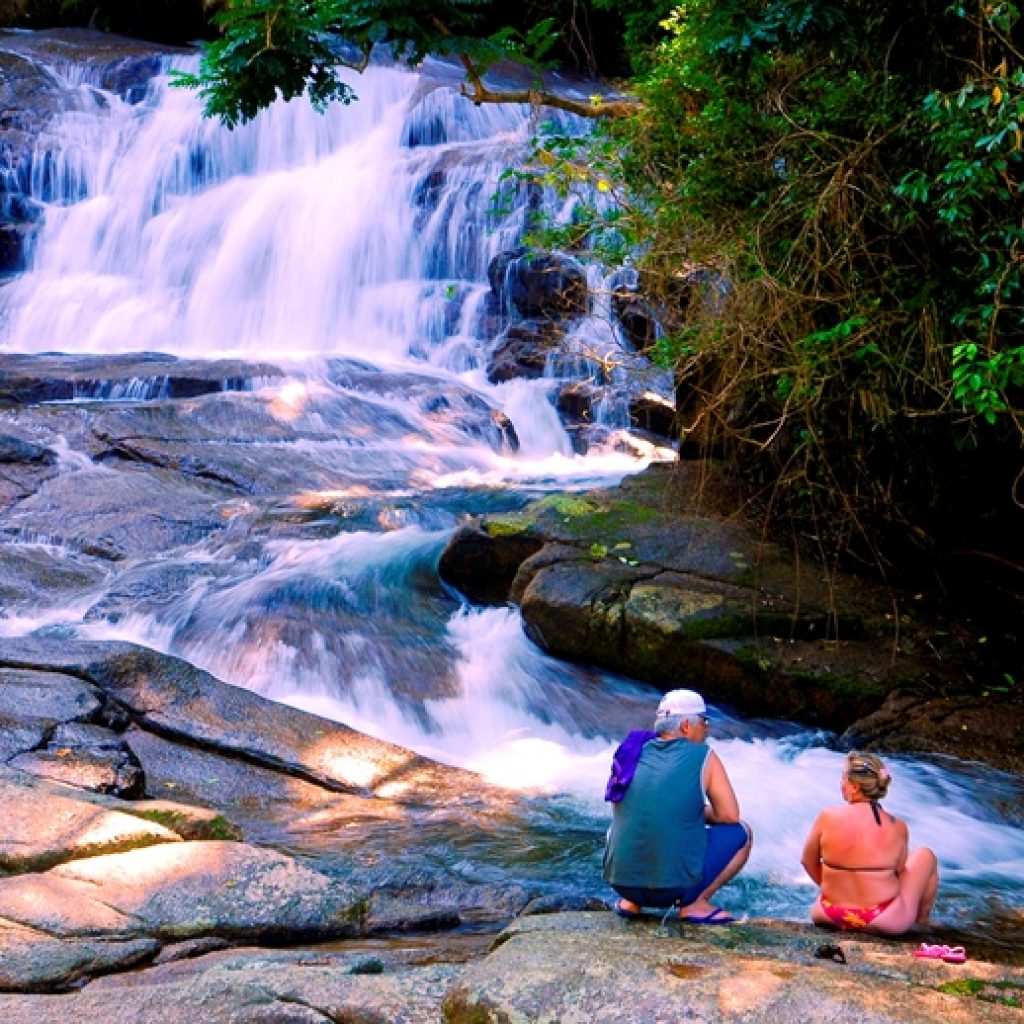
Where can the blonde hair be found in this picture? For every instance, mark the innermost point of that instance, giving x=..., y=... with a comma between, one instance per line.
x=868, y=772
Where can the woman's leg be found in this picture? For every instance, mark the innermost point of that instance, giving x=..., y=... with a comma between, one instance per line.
x=919, y=883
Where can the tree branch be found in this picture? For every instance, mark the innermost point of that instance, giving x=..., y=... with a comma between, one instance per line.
x=596, y=106
x=479, y=93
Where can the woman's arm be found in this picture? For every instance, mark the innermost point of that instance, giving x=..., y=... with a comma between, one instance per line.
x=811, y=859
x=723, y=808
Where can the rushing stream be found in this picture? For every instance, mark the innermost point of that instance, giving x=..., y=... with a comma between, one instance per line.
x=365, y=235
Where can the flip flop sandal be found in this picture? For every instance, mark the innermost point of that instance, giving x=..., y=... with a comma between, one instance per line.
x=717, y=916
x=949, y=954
x=629, y=915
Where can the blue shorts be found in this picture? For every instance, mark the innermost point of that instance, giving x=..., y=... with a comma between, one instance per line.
x=724, y=842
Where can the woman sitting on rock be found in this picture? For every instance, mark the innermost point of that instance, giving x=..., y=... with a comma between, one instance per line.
x=857, y=854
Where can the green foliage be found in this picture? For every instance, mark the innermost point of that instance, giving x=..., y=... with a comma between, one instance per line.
x=268, y=48
x=851, y=175
x=970, y=196
x=287, y=48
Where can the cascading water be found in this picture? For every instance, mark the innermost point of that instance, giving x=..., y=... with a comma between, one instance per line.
x=354, y=248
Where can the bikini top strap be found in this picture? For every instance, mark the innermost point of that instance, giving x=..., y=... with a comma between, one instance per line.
x=874, y=811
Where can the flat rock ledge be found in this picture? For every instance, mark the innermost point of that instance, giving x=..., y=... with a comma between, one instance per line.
x=553, y=969
x=659, y=580
x=92, y=883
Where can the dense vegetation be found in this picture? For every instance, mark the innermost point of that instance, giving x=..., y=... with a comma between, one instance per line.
x=853, y=172
x=824, y=202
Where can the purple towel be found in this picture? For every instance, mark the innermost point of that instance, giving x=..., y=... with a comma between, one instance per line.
x=624, y=762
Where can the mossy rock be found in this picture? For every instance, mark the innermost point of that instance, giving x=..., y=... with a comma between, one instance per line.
x=189, y=825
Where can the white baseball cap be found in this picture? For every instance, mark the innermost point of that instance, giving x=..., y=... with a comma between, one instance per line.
x=681, y=702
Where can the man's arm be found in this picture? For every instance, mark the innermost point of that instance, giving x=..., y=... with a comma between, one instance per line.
x=723, y=807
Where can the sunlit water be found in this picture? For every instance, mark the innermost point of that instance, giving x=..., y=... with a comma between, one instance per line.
x=303, y=238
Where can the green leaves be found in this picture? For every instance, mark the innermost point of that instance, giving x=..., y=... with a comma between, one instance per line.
x=971, y=190
x=981, y=380
x=285, y=48
x=268, y=49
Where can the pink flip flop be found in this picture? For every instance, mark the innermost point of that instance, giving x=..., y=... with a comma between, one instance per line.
x=948, y=954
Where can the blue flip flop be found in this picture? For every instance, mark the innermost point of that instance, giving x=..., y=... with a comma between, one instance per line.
x=629, y=915
x=717, y=916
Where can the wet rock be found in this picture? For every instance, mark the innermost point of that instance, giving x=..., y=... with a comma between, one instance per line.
x=446, y=403
x=386, y=914
x=29, y=97
x=575, y=403
x=45, y=826
x=14, y=450
x=96, y=50
x=24, y=467
x=172, y=697
x=114, y=516
x=482, y=568
x=148, y=589
x=523, y=351
x=653, y=414
x=635, y=316
x=541, y=285
x=559, y=904
x=15, y=240
x=29, y=379
x=637, y=581
x=129, y=76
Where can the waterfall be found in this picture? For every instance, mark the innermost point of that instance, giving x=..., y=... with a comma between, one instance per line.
x=366, y=231
x=365, y=235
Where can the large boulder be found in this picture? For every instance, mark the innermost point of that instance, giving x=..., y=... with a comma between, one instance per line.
x=988, y=729
x=592, y=967
x=482, y=567
x=656, y=580
x=183, y=890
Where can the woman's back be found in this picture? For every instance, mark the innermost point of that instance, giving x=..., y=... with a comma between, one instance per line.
x=863, y=848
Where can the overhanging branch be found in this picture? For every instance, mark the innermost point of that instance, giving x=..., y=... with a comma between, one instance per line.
x=596, y=107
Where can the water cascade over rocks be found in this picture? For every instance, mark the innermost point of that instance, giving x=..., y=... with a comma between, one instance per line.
x=251, y=381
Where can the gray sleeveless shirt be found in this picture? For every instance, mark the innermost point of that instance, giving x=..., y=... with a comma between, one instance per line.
x=658, y=836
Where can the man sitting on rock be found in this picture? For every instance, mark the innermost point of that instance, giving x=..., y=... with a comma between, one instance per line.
x=676, y=835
